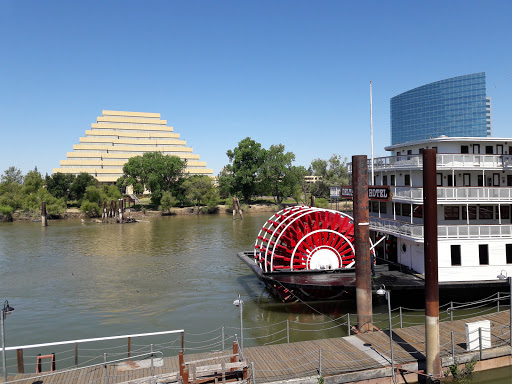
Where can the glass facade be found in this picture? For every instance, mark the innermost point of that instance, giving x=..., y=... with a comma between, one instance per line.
x=453, y=107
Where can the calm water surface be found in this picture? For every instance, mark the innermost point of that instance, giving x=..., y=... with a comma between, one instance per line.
x=74, y=280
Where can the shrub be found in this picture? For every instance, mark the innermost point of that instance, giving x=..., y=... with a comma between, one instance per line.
x=320, y=202
x=90, y=209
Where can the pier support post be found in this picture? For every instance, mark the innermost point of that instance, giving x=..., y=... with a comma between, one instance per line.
x=362, y=243
x=44, y=214
x=21, y=365
x=121, y=211
x=431, y=265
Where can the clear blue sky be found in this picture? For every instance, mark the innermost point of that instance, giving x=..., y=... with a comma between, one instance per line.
x=291, y=72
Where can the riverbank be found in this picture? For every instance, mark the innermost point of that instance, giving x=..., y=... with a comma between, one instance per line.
x=141, y=213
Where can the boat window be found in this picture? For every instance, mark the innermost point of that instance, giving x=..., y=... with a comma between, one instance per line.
x=385, y=180
x=483, y=254
x=496, y=179
x=480, y=180
x=393, y=180
x=466, y=179
x=509, y=180
x=383, y=207
x=451, y=212
x=464, y=149
x=472, y=213
x=407, y=179
x=504, y=212
x=485, y=212
x=455, y=248
x=417, y=211
x=489, y=150
x=508, y=248
x=439, y=179
x=406, y=209
x=398, y=209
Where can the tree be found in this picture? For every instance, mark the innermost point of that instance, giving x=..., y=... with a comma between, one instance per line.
x=246, y=160
x=12, y=175
x=54, y=206
x=79, y=185
x=32, y=181
x=300, y=192
x=59, y=184
x=156, y=172
x=200, y=189
x=277, y=173
x=167, y=202
x=332, y=172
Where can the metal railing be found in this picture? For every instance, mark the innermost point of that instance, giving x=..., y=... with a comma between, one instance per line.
x=288, y=331
x=416, y=231
x=463, y=194
x=443, y=160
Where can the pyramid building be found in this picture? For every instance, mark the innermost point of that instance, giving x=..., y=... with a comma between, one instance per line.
x=116, y=136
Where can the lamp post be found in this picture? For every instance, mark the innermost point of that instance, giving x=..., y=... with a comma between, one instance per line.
x=382, y=291
x=503, y=276
x=240, y=304
x=5, y=310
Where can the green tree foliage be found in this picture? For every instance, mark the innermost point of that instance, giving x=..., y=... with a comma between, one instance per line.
x=244, y=168
x=54, y=206
x=32, y=181
x=278, y=177
x=95, y=197
x=59, y=184
x=79, y=185
x=225, y=181
x=167, y=202
x=156, y=172
x=12, y=175
x=332, y=172
x=201, y=190
x=300, y=191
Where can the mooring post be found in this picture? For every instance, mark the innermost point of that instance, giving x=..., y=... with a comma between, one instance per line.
x=239, y=209
x=253, y=373
x=499, y=302
x=433, y=363
x=234, y=208
x=401, y=321
x=129, y=345
x=348, y=324
x=76, y=355
x=184, y=375
x=104, y=214
x=453, y=347
x=362, y=243
x=288, y=331
x=44, y=214
x=320, y=362
x=121, y=213
x=21, y=364
x=451, y=310
x=223, y=336
x=152, y=362
x=105, y=365
x=181, y=361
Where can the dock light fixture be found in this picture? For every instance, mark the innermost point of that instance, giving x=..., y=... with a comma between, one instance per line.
x=503, y=276
x=240, y=304
x=5, y=311
x=382, y=291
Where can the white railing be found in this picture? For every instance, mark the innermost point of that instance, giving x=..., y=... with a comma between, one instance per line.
x=443, y=231
x=462, y=194
x=443, y=160
x=473, y=231
x=396, y=227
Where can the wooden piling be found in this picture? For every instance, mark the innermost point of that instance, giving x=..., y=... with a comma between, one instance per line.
x=21, y=364
x=181, y=361
x=44, y=214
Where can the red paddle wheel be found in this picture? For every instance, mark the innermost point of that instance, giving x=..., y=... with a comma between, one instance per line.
x=305, y=238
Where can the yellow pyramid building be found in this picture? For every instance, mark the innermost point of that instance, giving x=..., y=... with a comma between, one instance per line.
x=118, y=135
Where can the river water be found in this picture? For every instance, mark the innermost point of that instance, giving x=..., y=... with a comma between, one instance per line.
x=75, y=280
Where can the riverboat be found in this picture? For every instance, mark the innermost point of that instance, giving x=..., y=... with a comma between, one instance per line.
x=474, y=199
x=305, y=253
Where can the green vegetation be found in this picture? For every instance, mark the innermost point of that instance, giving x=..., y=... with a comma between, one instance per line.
x=461, y=376
x=155, y=172
x=254, y=174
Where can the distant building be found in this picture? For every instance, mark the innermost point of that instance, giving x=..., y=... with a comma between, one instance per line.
x=117, y=136
x=455, y=107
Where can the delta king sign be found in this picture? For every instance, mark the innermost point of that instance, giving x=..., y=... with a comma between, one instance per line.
x=375, y=192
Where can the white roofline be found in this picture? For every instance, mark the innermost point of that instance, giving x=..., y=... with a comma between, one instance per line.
x=446, y=138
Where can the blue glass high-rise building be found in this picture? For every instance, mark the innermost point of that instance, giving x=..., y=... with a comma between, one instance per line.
x=456, y=107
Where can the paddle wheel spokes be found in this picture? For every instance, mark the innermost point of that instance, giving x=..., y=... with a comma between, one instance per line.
x=305, y=238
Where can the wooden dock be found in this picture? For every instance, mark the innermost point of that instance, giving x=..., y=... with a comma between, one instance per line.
x=328, y=357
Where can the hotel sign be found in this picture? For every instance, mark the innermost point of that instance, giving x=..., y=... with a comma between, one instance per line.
x=380, y=193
